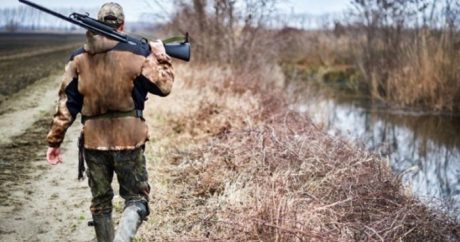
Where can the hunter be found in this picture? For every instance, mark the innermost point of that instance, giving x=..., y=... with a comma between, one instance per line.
x=107, y=82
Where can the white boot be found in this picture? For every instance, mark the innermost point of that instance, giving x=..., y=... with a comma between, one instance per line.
x=130, y=222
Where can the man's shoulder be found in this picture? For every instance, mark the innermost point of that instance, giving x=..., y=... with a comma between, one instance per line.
x=76, y=53
x=134, y=49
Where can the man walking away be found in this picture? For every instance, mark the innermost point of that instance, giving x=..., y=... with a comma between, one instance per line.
x=107, y=82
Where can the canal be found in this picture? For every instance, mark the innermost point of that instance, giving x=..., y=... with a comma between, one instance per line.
x=423, y=149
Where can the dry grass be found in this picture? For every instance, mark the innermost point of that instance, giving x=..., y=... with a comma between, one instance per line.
x=409, y=57
x=428, y=75
x=420, y=72
x=231, y=162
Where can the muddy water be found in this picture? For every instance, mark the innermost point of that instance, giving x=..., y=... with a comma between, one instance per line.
x=424, y=149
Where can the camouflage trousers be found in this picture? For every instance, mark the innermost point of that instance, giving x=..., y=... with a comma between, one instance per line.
x=129, y=165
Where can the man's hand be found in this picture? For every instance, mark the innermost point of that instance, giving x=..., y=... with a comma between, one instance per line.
x=53, y=155
x=157, y=48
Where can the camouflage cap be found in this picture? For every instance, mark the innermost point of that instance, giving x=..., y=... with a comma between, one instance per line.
x=112, y=14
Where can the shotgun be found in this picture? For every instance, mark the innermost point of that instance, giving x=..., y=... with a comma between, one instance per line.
x=177, y=47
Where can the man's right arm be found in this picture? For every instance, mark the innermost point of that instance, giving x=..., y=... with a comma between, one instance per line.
x=158, y=70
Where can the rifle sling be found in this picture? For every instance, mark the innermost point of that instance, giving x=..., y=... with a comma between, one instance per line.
x=114, y=114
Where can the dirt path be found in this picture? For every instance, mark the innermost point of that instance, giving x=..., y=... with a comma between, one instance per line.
x=22, y=109
x=39, y=202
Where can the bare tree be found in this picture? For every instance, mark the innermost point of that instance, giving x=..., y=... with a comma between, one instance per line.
x=229, y=31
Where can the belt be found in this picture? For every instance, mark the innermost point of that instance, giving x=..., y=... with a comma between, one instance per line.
x=114, y=114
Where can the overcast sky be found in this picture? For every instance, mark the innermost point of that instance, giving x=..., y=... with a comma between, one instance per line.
x=134, y=8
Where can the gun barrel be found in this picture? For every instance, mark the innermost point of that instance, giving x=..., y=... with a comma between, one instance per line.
x=49, y=11
x=179, y=51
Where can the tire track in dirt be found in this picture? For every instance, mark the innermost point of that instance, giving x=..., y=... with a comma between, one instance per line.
x=22, y=109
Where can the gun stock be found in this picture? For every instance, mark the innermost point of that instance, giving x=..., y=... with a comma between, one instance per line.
x=179, y=50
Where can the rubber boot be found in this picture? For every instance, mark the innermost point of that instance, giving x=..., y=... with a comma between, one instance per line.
x=103, y=225
x=130, y=221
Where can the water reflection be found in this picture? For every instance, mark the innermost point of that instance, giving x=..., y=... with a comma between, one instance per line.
x=423, y=149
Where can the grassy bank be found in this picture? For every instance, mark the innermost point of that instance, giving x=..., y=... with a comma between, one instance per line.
x=230, y=161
